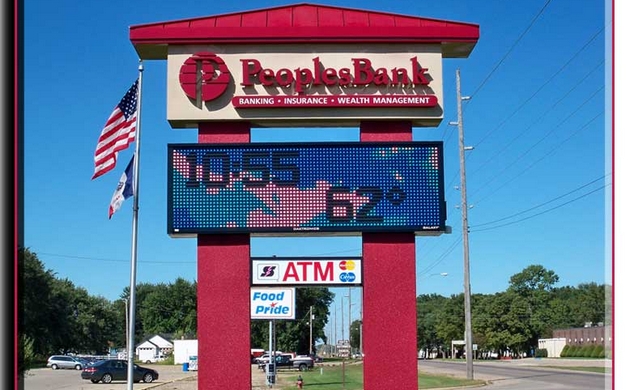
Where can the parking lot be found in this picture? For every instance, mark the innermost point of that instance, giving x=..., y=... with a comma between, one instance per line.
x=48, y=379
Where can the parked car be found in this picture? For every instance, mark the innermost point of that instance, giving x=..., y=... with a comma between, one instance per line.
x=116, y=370
x=64, y=361
x=316, y=358
x=155, y=359
x=301, y=363
x=264, y=358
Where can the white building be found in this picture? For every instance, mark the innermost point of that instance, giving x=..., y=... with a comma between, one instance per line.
x=154, y=349
x=183, y=350
x=553, y=346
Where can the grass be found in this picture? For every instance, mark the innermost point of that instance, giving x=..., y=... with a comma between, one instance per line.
x=601, y=370
x=334, y=378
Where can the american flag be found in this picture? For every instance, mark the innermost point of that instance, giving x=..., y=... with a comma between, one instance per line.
x=118, y=133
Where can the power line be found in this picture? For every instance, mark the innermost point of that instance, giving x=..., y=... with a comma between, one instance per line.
x=520, y=157
x=440, y=258
x=525, y=130
x=111, y=260
x=551, y=151
x=543, y=212
x=531, y=24
x=507, y=53
x=562, y=68
x=542, y=204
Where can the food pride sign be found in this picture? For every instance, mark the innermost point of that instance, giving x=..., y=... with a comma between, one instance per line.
x=272, y=303
x=284, y=85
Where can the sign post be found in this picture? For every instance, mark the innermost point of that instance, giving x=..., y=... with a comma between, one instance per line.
x=271, y=364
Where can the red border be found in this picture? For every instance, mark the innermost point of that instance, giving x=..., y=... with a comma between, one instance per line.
x=304, y=23
x=15, y=190
x=612, y=131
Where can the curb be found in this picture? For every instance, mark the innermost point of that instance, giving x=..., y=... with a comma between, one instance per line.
x=156, y=385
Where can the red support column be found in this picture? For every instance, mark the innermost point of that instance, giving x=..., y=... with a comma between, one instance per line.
x=223, y=313
x=389, y=293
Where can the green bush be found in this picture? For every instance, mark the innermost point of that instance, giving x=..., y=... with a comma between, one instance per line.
x=169, y=360
x=541, y=353
x=587, y=351
x=565, y=351
x=26, y=359
x=598, y=352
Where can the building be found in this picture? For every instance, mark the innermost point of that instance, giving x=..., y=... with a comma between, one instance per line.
x=553, y=346
x=596, y=335
x=183, y=350
x=154, y=349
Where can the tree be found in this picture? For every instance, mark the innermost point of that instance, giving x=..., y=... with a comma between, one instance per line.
x=355, y=334
x=57, y=316
x=27, y=355
x=429, y=308
x=533, y=286
x=142, y=291
x=449, y=320
x=170, y=308
x=36, y=297
x=533, y=278
x=504, y=322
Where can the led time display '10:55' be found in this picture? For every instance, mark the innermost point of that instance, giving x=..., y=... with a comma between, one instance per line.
x=305, y=188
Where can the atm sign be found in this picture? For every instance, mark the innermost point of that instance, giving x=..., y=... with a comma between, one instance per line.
x=270, y=271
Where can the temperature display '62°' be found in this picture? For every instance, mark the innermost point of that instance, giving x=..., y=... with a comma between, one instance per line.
x=285, y=188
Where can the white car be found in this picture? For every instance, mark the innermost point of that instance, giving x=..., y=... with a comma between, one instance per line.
x=63, y=361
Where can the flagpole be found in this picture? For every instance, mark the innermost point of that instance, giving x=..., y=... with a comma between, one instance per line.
x=134, y=239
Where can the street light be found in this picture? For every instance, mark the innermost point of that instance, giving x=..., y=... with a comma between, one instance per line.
x=443, y=274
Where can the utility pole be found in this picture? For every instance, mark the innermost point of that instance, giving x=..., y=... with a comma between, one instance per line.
x=464, y=207
x=310, y=323
x=342, y=325
x=350, y=319
x=361, y=330
x=335, y=329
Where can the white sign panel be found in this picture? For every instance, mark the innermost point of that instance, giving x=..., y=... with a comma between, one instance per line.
x=306, y=271
x=288, y=85
x=272, y=303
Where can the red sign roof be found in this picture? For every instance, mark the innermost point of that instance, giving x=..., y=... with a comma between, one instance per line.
x=304, y=23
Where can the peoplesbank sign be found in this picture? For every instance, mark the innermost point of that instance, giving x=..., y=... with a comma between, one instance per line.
x=321, y=86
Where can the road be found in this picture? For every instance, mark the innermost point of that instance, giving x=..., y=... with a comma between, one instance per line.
x=527, y=374
x=524, y=374
x=48, y=379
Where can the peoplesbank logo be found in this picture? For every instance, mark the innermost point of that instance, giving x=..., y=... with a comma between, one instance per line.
x=204, y=76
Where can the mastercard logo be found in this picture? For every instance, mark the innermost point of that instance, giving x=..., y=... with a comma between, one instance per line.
x=347, y=265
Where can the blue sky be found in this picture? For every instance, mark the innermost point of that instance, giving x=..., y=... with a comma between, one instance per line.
x=538, y=180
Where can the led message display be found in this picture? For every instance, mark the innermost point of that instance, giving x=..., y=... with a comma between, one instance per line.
x=283, y=188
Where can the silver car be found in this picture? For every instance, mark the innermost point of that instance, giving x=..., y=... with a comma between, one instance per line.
x=61, y=361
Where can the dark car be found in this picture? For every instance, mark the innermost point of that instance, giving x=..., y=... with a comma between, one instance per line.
x=116, y=370
x=301, y=363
